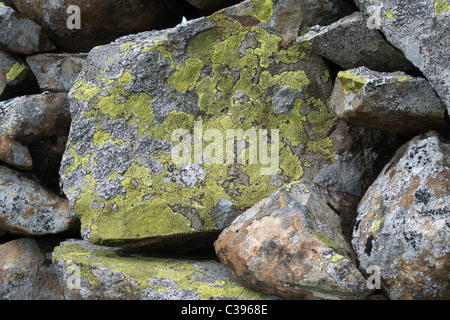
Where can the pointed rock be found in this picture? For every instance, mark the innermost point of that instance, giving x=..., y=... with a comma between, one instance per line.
x=296, y=244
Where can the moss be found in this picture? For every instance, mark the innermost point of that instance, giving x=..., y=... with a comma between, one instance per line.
x=351, y=82
x=440, y=6
x=17, y=72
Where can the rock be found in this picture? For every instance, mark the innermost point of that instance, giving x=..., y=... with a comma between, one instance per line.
x=388, y=101
x=349, y=43
x=29, y=119
x=56, y=72
x=136, y=98
x=100, y=22
x=403, y=222
x=13, y=75
x=24, y=274
x=89, y=272
x=293, y=244
x=420, y=30
x=212, y=5
x=28, y=209
x=20, y=35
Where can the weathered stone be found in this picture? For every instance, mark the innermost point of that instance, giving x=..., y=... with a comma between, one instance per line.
x=100, y=21
x=106, y=273
x=13, y=73
x=26, y=208
x=136, y=97
x=388, y=101
x=212, y=4
x=56, y=72
x=403, y=222
x=420, y=30
x=29, y=119
x=350, y=44
x=20, y=35
x=24, y=274
x=293, y=244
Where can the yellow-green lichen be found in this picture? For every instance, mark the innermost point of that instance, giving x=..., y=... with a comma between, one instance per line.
x=351, y=82
x=440, y=6
x=182, y=274
x=376, y=225
x=17, y=72
x=389, y=14
x=325, y=239
x=336, y=257
x=146, y=208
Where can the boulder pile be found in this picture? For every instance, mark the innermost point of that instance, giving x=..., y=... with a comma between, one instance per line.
x=267, y=149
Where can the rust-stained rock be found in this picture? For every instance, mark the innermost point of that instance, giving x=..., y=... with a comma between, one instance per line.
x=28, y=119
x=100, y=21
x=26, y=208
x=403, y=225
x=56, y=72
x=294, y=244
x=24, y=273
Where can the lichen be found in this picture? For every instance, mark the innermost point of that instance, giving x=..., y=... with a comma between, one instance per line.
x=351, y=82
x=440, y=6
x=183, y=274
x=143, y=209
x=17, y=72
x=336, y=257
x=325, y=239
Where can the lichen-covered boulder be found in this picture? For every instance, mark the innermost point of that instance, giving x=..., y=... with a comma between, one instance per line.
x=391, y=101
x=21, y=35
x=100, y=22
x=25, y=273
x=89, y=272
x=403, y=223
x=56, y=72
x=29, y=119
x=28, y=209
x=295, y=244
x=420, y=30
x=350, y=43
x=158, y=117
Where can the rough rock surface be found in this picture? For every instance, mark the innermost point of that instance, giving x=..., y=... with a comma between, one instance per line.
x=420, y=30
x=139, y=101
x=349, y=43
x=24, y=274
x=26, y=208
x=56, y=72
x=389, y=101
x=13, y=75
x=293, y=244
x=20, y=35
x=100, y=21
x=403, y=223
x=28, y=119
x=105, y=273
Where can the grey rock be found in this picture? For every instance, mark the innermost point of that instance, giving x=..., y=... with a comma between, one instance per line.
x=403, y=222
x=28, y=119
x=226, y=72
x=349, y=43
x=90, y=272
x=388, y=101
x=26, y=208
x=420, y=30
x=21, y=35
x=56, y=72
